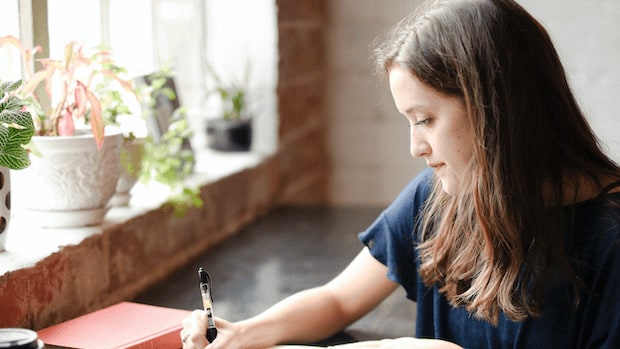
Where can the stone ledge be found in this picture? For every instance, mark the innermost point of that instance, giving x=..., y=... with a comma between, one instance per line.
x=49, y=276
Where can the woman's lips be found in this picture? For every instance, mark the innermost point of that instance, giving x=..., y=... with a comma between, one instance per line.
x=435, y=166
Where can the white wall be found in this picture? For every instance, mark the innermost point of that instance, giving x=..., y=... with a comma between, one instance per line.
x=587, y=36
x=368, y=139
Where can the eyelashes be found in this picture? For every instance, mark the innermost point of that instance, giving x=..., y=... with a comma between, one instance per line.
x=422, y=122
x=418, y=120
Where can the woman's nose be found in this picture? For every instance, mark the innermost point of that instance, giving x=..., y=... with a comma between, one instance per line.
x=418, y=147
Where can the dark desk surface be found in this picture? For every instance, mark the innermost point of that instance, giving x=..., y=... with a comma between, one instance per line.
x=288, y=250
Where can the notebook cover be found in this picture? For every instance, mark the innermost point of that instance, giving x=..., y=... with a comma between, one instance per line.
x=123, y=325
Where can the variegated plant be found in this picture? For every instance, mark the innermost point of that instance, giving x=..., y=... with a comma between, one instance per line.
x=16, y=127
x=67, y=84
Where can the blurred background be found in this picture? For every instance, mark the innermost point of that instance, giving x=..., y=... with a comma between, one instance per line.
x=366, y=139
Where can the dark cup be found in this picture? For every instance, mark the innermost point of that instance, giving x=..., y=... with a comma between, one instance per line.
x=19, y=338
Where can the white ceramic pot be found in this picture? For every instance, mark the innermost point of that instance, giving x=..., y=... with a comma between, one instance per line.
x=72, y=183
x=5, y=205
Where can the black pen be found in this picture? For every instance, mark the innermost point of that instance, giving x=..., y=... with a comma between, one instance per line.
x=207, y=302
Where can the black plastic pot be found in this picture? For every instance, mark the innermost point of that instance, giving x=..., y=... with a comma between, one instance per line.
x=229, y=135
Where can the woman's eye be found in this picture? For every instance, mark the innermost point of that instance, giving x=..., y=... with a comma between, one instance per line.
x=422, y=122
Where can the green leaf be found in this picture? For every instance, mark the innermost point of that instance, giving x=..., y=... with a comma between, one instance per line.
x=15, y=158
x=4, y=136
x=16, y=128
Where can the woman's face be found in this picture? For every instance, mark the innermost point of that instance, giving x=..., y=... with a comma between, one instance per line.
x=439, y=128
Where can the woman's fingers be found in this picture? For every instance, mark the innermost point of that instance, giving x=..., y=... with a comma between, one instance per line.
x=194, y=329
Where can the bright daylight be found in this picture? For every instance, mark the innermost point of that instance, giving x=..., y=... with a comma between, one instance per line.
x=243, y=174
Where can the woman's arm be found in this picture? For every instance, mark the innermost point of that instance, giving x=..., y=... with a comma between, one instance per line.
x=320, y=312
x=307, y=316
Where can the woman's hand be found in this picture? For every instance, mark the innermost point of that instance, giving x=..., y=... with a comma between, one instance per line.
x=194, y=330
x=193, y=334
x=399, y=343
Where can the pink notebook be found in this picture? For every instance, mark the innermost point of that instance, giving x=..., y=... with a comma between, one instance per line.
x=123, y=325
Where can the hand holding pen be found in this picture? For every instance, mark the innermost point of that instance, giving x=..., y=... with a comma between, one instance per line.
x=207, y=302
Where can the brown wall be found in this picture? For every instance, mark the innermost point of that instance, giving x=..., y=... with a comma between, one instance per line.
x=301, y=100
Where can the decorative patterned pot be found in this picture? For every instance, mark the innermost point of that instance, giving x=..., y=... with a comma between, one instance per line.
x=5, y=205
x=71, y=184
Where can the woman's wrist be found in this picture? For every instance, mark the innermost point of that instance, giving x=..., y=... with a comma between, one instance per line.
x=253, y=333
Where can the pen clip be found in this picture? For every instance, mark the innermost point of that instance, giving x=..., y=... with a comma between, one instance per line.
x=205, y=289
x=205, y=279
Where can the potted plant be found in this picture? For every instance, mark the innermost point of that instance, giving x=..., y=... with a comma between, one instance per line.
x=16, y=130
x=230, y=129
x=143, y=156
x=16, y=127
x=160, y=153
x=77, y=172
x=168, y=158
x=120, y=107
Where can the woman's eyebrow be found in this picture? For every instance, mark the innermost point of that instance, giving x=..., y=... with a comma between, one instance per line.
x=415, y=107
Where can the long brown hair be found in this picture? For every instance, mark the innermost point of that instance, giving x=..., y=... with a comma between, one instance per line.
x=492, y=245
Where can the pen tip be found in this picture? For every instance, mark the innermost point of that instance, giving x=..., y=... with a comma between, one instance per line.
x=202, y=274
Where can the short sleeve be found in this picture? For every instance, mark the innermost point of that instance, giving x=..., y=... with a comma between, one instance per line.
x=606, y=326
x=390, y=238
x=601, y=309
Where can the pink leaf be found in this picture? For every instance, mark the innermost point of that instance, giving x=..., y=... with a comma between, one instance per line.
x=80, y=100
x=66, y=127
x=96, y=119
x=31, y=84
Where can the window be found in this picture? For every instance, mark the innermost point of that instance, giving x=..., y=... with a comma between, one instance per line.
x=73, y=21
x=147, y=34
x=10, y=68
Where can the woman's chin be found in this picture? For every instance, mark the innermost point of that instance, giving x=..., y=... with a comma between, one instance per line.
x=448, y=187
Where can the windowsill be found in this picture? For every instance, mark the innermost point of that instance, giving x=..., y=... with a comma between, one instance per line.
x=28, y=243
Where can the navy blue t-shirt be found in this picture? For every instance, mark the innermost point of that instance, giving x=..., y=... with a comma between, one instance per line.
x=594, y=323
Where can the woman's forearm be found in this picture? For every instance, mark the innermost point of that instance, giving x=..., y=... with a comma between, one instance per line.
x=305, y=317
x=320, y=312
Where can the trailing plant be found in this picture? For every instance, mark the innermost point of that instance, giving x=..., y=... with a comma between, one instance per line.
x=167, y=160
x=168, y=163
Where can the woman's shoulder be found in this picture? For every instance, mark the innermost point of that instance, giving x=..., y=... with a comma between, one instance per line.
x=602, y=212
x=597, y=226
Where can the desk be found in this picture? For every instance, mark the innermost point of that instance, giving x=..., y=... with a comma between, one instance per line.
x=290, y=249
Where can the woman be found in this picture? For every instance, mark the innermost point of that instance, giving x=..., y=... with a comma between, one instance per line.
x=510, y=238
